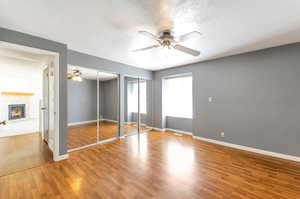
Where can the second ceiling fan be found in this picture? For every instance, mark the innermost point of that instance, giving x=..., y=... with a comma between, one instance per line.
x=166, y=39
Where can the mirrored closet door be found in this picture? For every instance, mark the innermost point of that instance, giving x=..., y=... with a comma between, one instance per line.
x=108, y=106
x=145, y=88
x=138, y=103
x=131, y=105
x=82, y=107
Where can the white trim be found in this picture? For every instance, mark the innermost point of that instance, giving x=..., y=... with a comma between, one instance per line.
x=135, y=123
x=245, y=148
x=83, y=122
x=179, y=131
x=94, y=144
x=91, y=121
x=82, y=147
x=109, y=120
x=61, y=157
x=158, y=129
x=56, y=155
x=107, y=140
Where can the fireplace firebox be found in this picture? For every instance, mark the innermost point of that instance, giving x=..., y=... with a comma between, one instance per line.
x=16, y=111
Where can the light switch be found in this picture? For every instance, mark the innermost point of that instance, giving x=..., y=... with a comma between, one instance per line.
x=222, y=134
x=210, y=99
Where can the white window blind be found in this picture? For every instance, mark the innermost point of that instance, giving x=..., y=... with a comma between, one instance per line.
x=178, y=97
x=133, y=97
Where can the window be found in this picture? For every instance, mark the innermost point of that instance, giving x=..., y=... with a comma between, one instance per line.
x=133, y=97
x=143, y=97
x=178, y=96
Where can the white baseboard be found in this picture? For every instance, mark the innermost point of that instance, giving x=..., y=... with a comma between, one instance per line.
x=81, y=147
x=179, y=131
x=94, y=144
x=245, y=148
x=158, y=129
x=109, y=120
x=61, y=157
x=83, y=122
x=91, y=121
x=107, y=140
x=135, y=123
x=173, y=130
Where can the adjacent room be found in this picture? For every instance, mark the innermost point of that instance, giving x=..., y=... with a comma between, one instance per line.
x=162, y=99
x=26, y=133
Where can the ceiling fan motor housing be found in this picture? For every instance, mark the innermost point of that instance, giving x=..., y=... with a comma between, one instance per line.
x=166, y=38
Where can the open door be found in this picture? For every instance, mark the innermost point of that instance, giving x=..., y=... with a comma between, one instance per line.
x=44, y=107
x=47, y=107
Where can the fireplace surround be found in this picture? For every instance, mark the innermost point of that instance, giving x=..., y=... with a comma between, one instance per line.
x=16, y=111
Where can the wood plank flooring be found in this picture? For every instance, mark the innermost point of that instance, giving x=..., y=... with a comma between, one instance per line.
x=22, y=152
x=85, y=134
x=81, y=135
x=158, y=165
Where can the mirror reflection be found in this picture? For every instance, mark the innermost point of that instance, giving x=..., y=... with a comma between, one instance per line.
x=82, y=107
x=108, y=105
x=131, y=105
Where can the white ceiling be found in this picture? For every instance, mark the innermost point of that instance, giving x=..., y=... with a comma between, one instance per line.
x=16, y=55
x=91, y=74
x=108, y=28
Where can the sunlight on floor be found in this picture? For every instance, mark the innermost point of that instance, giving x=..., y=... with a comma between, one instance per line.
x=180, y=158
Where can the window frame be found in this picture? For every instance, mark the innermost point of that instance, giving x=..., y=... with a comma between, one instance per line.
x=163, y=82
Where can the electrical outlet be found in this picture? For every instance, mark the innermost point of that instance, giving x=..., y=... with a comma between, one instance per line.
x=222, y=134
x=210, y=99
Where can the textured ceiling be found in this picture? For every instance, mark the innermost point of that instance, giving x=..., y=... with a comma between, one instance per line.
x=108, y=28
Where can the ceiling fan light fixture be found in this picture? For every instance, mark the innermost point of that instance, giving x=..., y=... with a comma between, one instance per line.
x=75, y=75
x=77, y=78
x=165, y=39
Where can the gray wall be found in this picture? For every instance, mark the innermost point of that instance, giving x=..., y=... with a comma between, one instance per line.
x=109, y=99
x=182, y=124
x=89, y=61
x=82, y=101
x=40, y=43
x=256, y=99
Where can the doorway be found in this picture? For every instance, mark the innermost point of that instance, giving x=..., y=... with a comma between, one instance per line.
x=27, y=122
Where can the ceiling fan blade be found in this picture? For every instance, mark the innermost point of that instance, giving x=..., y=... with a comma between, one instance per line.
x=148, y=34
x=146, y=48
x=188, y=36
x=187, y=50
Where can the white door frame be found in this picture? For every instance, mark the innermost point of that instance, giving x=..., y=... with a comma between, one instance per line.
x=56, y=155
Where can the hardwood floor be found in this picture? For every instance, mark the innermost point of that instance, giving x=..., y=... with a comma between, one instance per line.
x=22, y=152
x=81, y=135
x=158, y=165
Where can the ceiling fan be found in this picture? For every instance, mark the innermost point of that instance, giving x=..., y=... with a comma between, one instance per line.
x=166, y=39
x=75, y=75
